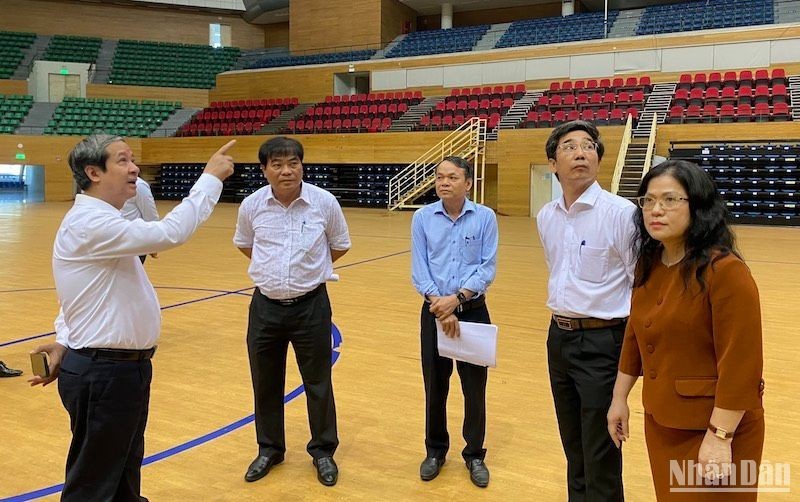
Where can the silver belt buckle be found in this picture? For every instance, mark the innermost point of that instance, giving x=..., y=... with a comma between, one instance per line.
x=562, y=323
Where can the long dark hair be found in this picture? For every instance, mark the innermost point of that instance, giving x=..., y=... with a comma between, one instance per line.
x=708, y=237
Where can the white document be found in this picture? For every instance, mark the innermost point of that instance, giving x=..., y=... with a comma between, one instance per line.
x=477, y=343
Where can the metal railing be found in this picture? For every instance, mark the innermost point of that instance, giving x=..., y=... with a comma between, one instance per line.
x=623, y=152
x=467, y=141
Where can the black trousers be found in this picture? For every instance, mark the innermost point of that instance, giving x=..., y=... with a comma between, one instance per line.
x=107, y=402
x=307, y=326
x=436, y=371
x=583, y=368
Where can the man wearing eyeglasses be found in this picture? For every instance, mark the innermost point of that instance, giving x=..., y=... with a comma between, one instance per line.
x=586, y=235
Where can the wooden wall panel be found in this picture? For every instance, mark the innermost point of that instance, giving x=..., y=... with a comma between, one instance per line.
x=276, y=35
x=334, y=25
x=394, y=18
x=491, y=16
x=192, y=98
x=309, y=84
x=50, y=152
x=13, y=87
x=69, y=17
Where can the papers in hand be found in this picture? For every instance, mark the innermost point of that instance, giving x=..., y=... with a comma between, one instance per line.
x=477, y=343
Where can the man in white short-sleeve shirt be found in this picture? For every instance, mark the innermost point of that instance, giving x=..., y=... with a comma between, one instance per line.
x=292, y=232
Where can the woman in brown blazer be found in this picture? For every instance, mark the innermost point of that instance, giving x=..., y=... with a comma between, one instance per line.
x=694, y=335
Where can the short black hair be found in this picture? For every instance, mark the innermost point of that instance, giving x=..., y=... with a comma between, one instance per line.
x=461, y=163
x=567, y=127
x=279, y=146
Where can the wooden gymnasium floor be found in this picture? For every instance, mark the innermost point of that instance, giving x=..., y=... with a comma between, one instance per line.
x=202, y=383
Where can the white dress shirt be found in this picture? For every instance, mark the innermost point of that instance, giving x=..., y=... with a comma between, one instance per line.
x=291, y=246
x=589, y=253
x=106, y=299
x=142, y=205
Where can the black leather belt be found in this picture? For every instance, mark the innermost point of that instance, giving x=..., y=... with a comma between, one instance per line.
x=581, y=323
x=468, y=305
x=296, y=299
x=117, y=354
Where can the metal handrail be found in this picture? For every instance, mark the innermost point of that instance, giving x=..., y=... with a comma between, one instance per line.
x=465, y=141
x=651, y=146
x=623, y=151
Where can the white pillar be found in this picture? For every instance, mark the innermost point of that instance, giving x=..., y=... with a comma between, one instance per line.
x=447, y=16
x=567, y=7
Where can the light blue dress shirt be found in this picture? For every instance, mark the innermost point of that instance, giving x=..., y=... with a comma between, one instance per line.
x=447, y=255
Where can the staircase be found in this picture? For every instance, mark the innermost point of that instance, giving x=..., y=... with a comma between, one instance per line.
x=517, y=113
x=282, y=120
x=468, y=141
x=380, y=54
x=794, y=96
x=105, y=59
x=490, y=38
x=626, y=23
x=633, y=172
x=170, y=126
x=412, y=116
x=656, y=108
x=36, y=121
x=37, y=48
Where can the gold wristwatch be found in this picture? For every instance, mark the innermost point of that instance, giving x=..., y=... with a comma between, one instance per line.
x=720, y=432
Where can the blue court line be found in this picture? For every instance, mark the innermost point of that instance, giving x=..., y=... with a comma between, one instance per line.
x=156, y=457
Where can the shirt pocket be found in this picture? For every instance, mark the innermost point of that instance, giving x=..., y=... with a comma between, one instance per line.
x=311, y=236
x=472, y=251
x=592, y=264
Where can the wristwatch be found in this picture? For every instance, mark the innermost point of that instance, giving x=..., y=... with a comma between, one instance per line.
x=720, y=432
x=462, y=298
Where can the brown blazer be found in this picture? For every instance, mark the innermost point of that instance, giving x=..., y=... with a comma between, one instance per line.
x=696, y=349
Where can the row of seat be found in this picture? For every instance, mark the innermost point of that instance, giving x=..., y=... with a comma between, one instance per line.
x=553, y=30
x=337, y=125
x=762, y=112
x=13, y=109
x=410, y=98
x=73, y=49
x=593, y=101
x=324, y=58
x=602, y=116
x=81, y=116
x=733, y=79
x=11, y=46
x=420, y=43
x=742, y=95
x=703, y=15
x=616, y=84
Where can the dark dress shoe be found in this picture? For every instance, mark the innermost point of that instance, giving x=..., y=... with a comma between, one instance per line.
x=327, y=472
x=5, y=371
x=430, y=468
x=478, y=472
x=261, y=466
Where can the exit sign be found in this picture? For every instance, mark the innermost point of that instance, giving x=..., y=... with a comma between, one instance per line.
x=20, y=156
x=64, y=71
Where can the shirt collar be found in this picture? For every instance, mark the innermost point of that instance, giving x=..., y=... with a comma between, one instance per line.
x=469, y=206
x=305, y=195
x=82, y=199
x=588, y=197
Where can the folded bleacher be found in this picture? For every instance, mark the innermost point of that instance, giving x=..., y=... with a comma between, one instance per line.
x=73, y=49
x=170, y=65
x=123, y=117
x=746, y=96
x=354, y=114
x=489, y=103
x=364, y=185
x=553, y=30
x=330, y=57
x=226, y=118
x=12, y=45
x=605, y=101
x=421, y=43
x=13, y=109
x=705, y=15
x=759, y=182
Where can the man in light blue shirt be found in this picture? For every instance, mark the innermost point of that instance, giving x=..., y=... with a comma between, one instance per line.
x=454, y=260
